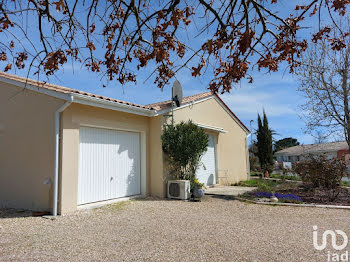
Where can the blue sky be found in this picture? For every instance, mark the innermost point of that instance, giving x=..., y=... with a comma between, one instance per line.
x=274, y=92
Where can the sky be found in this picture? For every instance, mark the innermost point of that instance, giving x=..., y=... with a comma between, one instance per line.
x=276, y=93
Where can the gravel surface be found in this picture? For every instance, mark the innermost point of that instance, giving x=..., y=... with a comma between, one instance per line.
x=163, y=230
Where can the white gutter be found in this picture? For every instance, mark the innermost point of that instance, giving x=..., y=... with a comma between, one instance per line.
x=57, y=149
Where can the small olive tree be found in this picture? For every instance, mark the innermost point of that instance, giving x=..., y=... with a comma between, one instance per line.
x=183, y=145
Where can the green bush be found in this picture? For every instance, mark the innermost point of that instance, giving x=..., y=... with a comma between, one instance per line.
x=183, y=145
x=320, y=172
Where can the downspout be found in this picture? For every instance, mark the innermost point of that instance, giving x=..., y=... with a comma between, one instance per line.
x=247, y=152
x=57, y=151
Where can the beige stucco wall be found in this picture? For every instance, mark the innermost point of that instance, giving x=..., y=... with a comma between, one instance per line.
x=26, y=147
x=77, y=115
x=157, y=180
x=231, y=147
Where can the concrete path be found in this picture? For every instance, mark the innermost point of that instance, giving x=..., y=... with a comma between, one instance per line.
x=228, y=190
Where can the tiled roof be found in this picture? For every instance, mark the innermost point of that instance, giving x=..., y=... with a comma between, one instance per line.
x=155, y=106
x=188, y=99
x=313, y=148
x=65, y=90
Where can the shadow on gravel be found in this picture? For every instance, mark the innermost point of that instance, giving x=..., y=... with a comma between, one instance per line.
x=206, y=197
x=12, y=213
x=222, y=197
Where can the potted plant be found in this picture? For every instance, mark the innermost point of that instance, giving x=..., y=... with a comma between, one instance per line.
x=198, y=190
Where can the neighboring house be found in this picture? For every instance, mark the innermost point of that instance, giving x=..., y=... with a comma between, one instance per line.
x=298, y=153
x=61, y=148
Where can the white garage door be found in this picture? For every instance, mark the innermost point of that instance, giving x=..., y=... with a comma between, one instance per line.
x=207, y=171
x=109, y=164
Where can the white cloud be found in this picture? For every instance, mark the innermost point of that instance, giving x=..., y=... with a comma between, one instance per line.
x=249, y=103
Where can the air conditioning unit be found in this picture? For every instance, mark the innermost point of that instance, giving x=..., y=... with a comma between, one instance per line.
x=179, y=189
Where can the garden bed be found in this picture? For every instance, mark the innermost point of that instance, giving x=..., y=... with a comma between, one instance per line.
x=319, y=197
x=292, y=192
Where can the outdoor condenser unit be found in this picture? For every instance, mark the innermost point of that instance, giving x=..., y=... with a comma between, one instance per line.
x=179, y=189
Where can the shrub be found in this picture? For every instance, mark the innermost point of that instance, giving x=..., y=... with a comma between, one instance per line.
x=254, y=163
x=183, y=145
x=320, y=172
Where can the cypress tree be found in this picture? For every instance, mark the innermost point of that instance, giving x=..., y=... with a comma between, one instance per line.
x=264, y=144
x=260, y=142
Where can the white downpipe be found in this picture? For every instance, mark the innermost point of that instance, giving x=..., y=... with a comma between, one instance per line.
x=247, y=152
x=57, y=149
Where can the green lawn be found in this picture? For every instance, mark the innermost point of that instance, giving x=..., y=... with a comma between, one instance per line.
x=261, y=184
x=278, y=176
x=345, y=183
x=287, y=177
x=253, y=173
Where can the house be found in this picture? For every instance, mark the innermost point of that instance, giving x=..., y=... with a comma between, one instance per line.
x=300, y=152
x=62, y=149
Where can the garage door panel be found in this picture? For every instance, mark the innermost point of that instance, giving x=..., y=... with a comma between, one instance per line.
x=109, y=164
x=206, y=173
x=128, y=181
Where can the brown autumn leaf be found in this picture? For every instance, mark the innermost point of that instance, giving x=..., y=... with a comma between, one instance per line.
x=3, y=56
x=126, y=41
x=245, y=41
x=91, y=46
x=340, y=6
x=323, y=32
x=92, y=28
x=8, y=67
x=314, y=11
x=180, y=49
x=59, y=5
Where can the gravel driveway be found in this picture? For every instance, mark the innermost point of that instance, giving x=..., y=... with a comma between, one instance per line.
x=160, y=230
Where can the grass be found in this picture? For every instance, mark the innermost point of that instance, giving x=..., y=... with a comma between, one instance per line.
x=261, y=184
x=253, y=173
x=278, y=176
x=345, y=183
x=287, y=177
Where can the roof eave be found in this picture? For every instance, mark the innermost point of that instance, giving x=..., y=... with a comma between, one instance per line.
x=307, y=152
x=211, y=128
x=167, y=110
x=216, y=97
x=42, y=90
x=97, y=102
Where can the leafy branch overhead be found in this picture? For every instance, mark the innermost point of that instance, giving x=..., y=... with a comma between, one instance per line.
x=118, y=38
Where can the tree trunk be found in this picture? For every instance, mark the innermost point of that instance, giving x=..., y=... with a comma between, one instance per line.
x=345, y=86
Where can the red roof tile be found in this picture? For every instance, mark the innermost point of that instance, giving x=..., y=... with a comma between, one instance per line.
x=65, y=90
